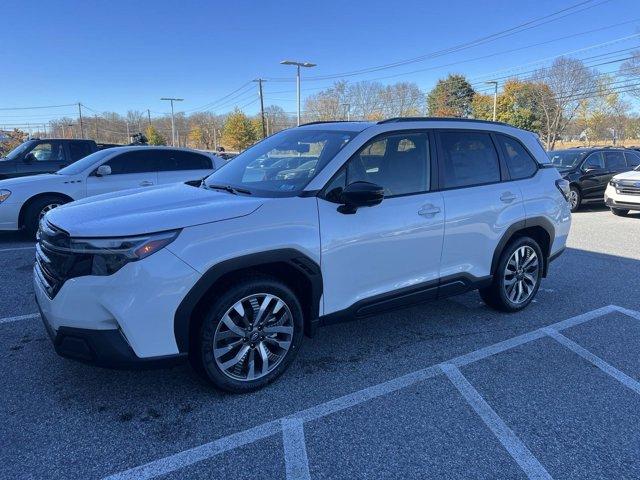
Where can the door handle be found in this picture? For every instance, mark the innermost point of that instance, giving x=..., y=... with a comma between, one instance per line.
x=508, y=197
x=146, y=183
x=429, y=210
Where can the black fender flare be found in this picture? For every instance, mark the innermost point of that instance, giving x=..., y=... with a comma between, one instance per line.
x=543, y=222
x=289, y=256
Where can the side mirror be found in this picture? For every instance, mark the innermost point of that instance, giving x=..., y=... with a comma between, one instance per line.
x=360, y=194
x=30, y=158
x=103, y=170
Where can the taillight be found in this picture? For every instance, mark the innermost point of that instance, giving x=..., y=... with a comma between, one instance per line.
x=563, y=186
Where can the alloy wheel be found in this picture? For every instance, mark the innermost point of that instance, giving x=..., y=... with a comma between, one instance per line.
x=573, y=199
x=521, y=274
x=253, y=337
x=46, y=209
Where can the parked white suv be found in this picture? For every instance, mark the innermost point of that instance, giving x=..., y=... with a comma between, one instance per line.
x=24, y=200
x=234, y=272
x=623, y=192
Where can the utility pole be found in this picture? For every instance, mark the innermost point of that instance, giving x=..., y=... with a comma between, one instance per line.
x=80, y=115
x=298, y=65
x=95, y=117
x=128, y=134
x=173, y=125
x=264, y=130
x=64, y=135
x=215, y=138
x=495, y=96
x=149, y=116
x=347, y=107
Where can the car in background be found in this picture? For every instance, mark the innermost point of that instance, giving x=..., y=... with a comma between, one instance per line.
x=25, y=200
x=589, y=170
x=46, y=156
x=623, y=193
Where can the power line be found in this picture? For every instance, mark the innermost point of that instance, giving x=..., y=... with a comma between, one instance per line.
x=43, y=106
x=466, y=45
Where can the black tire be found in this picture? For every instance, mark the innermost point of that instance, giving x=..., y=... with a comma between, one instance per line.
x=619, y=212
x=495, y=295
x=35, y=209
x=575, y=205
x=203, y=357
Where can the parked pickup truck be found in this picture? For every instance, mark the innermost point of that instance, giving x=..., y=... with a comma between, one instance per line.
x=45, y=156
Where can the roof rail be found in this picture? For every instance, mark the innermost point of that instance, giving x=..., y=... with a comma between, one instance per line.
x=439, y=119
x=323, y=121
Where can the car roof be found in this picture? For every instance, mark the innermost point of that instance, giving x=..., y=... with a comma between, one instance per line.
x=360, y=126
x=128, y=148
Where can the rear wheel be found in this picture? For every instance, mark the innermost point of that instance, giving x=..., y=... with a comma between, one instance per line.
x=575, y=198
x=38, y=209
x=517, y=277
x=250, y=334
x=619, y=212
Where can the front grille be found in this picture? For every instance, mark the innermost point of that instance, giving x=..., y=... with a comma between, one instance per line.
x=55, y=263
x=628, y=187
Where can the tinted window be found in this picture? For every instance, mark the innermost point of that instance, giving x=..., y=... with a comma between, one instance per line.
x=468, y=158
x=79, y=150
x=132, y=162
x=594, y=160
x=519, y=161
x=633, y=159
x=175, y=160
x=49, y=152
x=398, y=163
x=615, y=160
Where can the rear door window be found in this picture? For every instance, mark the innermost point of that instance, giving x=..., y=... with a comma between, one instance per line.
x=78, y=150
x=468, y=158
x=615, y=160
x=633, y=159
x=595, y=160
x=178, y=160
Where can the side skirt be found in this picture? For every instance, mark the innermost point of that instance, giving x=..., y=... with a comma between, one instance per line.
x=406, y=297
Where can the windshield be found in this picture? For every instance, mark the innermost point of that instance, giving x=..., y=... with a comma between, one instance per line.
x=16, y=152
x=566, y=158
x=88, y=161
x=266, y=168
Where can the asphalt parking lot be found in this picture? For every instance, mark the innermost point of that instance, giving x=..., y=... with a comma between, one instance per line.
x=446, y=390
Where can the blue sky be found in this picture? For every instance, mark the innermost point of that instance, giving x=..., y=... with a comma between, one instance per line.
x=120, y=55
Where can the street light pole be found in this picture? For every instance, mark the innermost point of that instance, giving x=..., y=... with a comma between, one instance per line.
x=173, y=125
x=495, y=96
x=298, y=65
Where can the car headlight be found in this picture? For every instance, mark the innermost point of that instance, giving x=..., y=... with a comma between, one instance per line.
x=4, y=194
x=105, y=256
x=613, y=183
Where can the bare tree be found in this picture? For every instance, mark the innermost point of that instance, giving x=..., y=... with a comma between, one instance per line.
x=569, y=82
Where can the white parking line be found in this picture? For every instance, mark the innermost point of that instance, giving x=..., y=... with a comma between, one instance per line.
x=179, y=460
x=623, y=378
x=15, y=249
x=19, y=317
x=509, y=440
x=295, y=450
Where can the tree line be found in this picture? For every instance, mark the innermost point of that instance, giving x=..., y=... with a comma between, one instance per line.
x=564, y=101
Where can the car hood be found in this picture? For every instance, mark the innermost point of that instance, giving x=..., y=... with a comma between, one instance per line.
x=633, y=175
x=149, y=210
x=31, y=179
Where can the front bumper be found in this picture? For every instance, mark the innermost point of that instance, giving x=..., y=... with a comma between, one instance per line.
x=122, y=319
x=613, y=199
x=9, y=213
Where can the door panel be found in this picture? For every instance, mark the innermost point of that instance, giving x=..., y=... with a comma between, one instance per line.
x=476, y=219
x=132, y=169
x=391, y=246
x=594, y=182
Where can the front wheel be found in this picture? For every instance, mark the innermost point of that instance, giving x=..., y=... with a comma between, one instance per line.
x=250, y=335
x=517, y=277
x=619, y=212
x=38, y=209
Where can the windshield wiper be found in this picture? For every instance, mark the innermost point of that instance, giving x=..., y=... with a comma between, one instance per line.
x=230, y=189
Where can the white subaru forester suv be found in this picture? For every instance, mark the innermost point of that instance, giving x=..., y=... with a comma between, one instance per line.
x=314, y=224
